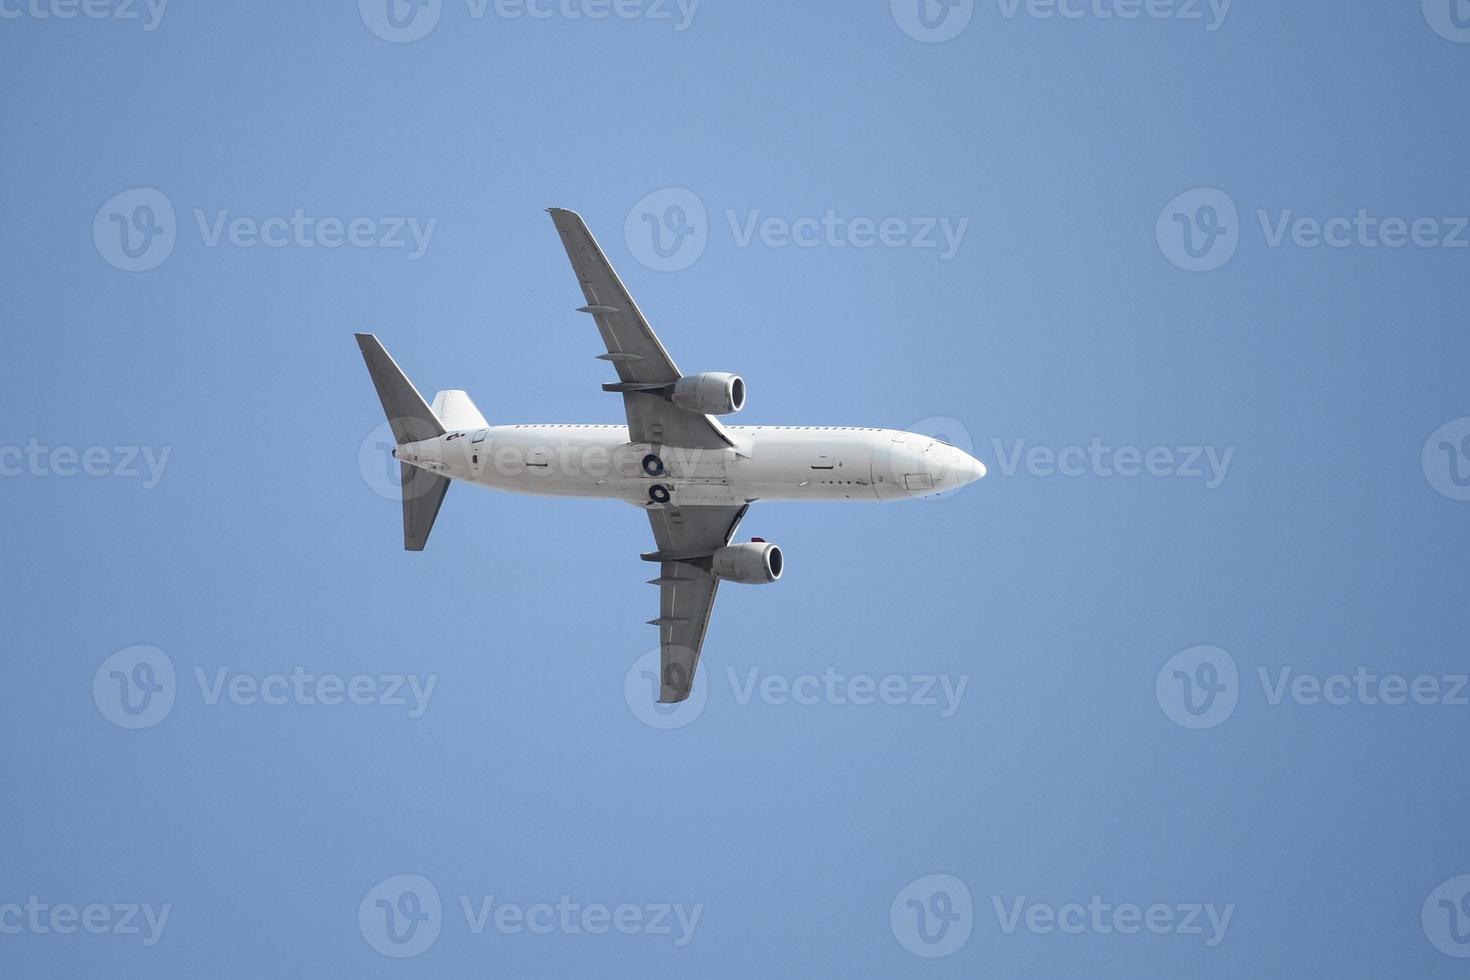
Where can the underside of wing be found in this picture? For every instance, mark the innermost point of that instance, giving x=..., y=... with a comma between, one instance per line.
x=686, y=537
x=645, y=370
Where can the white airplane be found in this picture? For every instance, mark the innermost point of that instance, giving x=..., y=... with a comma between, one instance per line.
x=693, y=476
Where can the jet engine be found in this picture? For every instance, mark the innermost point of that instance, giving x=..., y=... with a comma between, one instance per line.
x=710, y=393
x=752, y=563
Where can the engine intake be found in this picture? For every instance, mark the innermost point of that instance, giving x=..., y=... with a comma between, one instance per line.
x=710, y=393
x=751, y=563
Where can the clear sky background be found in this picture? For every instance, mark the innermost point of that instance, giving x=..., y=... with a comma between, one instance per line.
x=800, y=831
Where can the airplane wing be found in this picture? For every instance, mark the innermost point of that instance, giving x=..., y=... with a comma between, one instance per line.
x=686, y=537
x=633, y=348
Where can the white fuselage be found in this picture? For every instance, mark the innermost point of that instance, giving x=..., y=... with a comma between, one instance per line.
x=768, y=462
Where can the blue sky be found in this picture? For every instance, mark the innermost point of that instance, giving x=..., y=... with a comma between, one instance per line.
x=1175, y=690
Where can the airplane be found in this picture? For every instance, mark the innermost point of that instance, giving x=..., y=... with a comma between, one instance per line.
x=695, y=477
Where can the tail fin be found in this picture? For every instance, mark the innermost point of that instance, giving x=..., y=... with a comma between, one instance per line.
x=411, y=420
x=455, y=410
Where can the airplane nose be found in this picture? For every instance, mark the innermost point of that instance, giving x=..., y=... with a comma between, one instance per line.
x=964, y=468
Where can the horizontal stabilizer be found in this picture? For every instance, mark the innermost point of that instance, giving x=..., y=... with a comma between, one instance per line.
x=412, y=420
x=423, y=495
x=408, y=414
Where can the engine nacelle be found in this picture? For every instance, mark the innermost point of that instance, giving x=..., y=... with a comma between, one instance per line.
x=752, y=563
x=710, y=393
